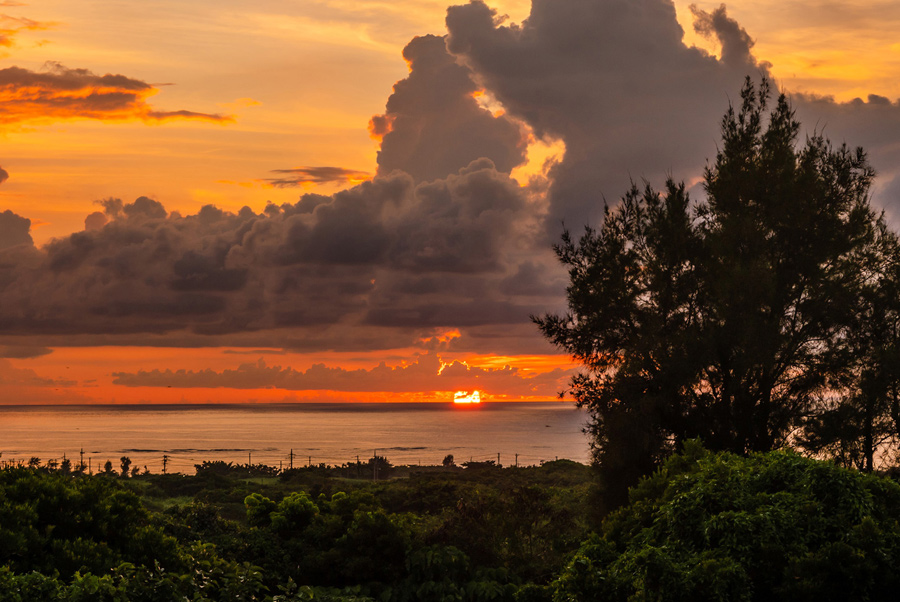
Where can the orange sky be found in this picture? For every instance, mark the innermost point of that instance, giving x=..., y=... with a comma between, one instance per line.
x=204, y=102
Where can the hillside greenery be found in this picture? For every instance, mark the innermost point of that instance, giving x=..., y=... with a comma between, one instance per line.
x=243, y=533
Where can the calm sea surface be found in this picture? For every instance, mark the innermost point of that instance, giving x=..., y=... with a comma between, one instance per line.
x=405, y=433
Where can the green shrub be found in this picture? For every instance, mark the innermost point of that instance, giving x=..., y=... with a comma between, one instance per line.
x=721, y=527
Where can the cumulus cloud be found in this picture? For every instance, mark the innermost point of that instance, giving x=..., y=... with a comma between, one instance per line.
x=59, y=92
x=14, y=230
x=874, y=124
x=433, y=125
x=735, y=42
x=95, y=220
x=614, y=81
x=427, y=373
x=375, y=265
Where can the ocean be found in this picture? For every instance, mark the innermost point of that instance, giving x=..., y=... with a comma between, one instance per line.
x=333, y=433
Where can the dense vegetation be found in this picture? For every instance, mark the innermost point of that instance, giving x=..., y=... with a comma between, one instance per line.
x=443, y=533
x=769, y=527
x=704, y=526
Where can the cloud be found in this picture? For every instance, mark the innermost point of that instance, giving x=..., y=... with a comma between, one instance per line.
x=11, y=376
x=375, y=266
x=433, y=125
x=14, y=229
x=22, y=352
x=59, y=93
x=441, y=237
x=11, y=26
x=735, y=42
x=4, y=175
x=23, y=386
x=427, y=373
x=302, y=176
x=614, y=81
x=95, y=220
x=874, y=124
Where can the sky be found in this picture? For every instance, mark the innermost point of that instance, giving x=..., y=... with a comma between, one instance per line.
x=335, y=200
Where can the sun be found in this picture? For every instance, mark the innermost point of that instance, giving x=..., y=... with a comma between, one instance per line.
x=466, y=397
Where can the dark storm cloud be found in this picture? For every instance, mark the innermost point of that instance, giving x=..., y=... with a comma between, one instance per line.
x=327, y=271
x=433, y=125
x=14, y=230
x=59, y=92
x=427, y=373
x=315, y=175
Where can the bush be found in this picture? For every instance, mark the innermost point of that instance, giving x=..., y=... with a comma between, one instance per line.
x=774, y=526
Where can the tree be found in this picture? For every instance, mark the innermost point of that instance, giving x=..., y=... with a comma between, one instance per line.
x=858, y=423
x=126, y=465
x=379, y=467
x=773, y=526
x=731, y=318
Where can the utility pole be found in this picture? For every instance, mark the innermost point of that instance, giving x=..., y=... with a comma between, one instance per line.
x=292, y=458
x=375, y=465
x=249, y=459
x=81, y=462
x=498, y=459
x=517, y=460
x=165, y=462
x=309, y=461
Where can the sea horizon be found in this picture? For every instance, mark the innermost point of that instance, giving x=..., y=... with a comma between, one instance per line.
x=332, y=433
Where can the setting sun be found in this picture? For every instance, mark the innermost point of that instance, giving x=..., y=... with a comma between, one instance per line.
x=466, y=397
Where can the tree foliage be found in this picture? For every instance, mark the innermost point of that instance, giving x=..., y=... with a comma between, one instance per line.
x=719, y=527
x=738, y=318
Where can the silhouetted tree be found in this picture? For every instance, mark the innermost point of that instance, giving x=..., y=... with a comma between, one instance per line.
x=730, y=319
x=126, y=465
x=379, y=467
x=862, y=416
